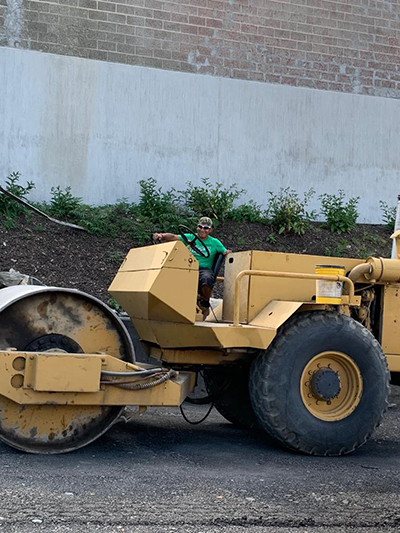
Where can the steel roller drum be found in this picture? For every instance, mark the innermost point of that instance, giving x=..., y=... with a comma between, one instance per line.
x=38, y=318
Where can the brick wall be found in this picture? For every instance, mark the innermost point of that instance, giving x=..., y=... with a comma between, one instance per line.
x=345, y=45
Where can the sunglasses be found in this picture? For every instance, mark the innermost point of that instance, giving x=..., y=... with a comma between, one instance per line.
x=203, y=227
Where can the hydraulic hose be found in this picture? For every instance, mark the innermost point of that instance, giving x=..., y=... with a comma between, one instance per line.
x=142, y=386
x=138, y=373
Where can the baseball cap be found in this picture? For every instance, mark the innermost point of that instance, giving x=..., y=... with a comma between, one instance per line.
x=205, y=221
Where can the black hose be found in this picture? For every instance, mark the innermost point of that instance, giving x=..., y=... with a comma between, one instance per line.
x=197, y=421
x=201, y=401
x=211, y=397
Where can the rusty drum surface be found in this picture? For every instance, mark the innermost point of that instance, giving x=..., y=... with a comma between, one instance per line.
x=38, y=318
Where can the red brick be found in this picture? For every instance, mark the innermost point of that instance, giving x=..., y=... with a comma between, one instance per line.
x=197, y=21
x=214, y=23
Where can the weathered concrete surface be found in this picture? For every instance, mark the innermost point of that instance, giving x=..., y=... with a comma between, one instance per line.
x=100, y=127
x=158, y=474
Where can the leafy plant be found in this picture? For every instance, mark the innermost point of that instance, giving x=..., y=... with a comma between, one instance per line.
x=117, y=256
x=9, y=208
x=211, y=201
x=114, y=304
x=271, y=238
x=112, y=220
x=287, y=211
x=341, y=248
x=163, y=210
x=340, y=217
x=388, y=215
x=374, y=239
x=63, y=204
x=240, y=242
x=250, y=212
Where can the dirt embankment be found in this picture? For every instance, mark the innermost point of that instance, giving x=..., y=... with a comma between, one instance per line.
x=62, y=256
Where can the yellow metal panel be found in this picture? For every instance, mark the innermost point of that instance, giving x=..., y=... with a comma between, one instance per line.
x=209, y=334
x=158, y=283
x=170, y=393
x=391, y=319
x=167, y=294
x=168, y=255
x=144, y=330
x=275, y=314
x=65, y=373
x=200, y=357
x=393, y=362
x=136, y=281
x=234, y=264
x=172, y=335
x=245, y=336
x=263, y=290
x=173, y=295
x=131, y=290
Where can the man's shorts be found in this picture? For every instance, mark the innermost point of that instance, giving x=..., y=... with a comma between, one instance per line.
x=206, y=277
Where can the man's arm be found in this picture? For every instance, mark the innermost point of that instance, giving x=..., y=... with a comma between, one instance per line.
x=165, y=237
x=221, y=248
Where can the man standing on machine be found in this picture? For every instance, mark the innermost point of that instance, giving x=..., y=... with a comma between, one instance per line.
x=213, y=245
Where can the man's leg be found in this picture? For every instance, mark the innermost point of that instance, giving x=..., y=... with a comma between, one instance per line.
x=206, y=284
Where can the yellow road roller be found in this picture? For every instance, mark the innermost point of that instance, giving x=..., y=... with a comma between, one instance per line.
x=298, y=348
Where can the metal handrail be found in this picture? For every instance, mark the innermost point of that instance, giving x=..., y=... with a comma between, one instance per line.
x=274, y=274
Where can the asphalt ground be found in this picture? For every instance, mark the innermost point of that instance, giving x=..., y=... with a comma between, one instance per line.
x=156, y=473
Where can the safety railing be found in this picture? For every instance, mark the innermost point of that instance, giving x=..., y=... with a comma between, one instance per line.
x=292, y=275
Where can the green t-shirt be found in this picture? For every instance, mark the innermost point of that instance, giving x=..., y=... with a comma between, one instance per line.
x=214, y=245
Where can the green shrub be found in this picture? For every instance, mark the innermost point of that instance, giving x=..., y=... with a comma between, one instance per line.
x=250, y=212
x=9, y=208
x=388, y=215
x=161, y=210
x=63, y=204
x=113, y=220
x=116, y=256
x=153, y=201
x=287, y=212
x=114, y=304
x=211, y=201
x=340, y=217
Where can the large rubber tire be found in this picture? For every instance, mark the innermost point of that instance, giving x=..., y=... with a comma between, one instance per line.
x=230, y=388
x=276, y=381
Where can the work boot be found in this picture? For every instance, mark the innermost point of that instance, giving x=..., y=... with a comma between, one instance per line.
x=204, y=308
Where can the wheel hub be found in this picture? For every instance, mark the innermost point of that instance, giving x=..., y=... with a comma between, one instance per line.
x=54, y=341
x=331, y=386
x=325, y=384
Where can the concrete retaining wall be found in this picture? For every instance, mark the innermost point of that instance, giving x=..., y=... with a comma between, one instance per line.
x=100, y=127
